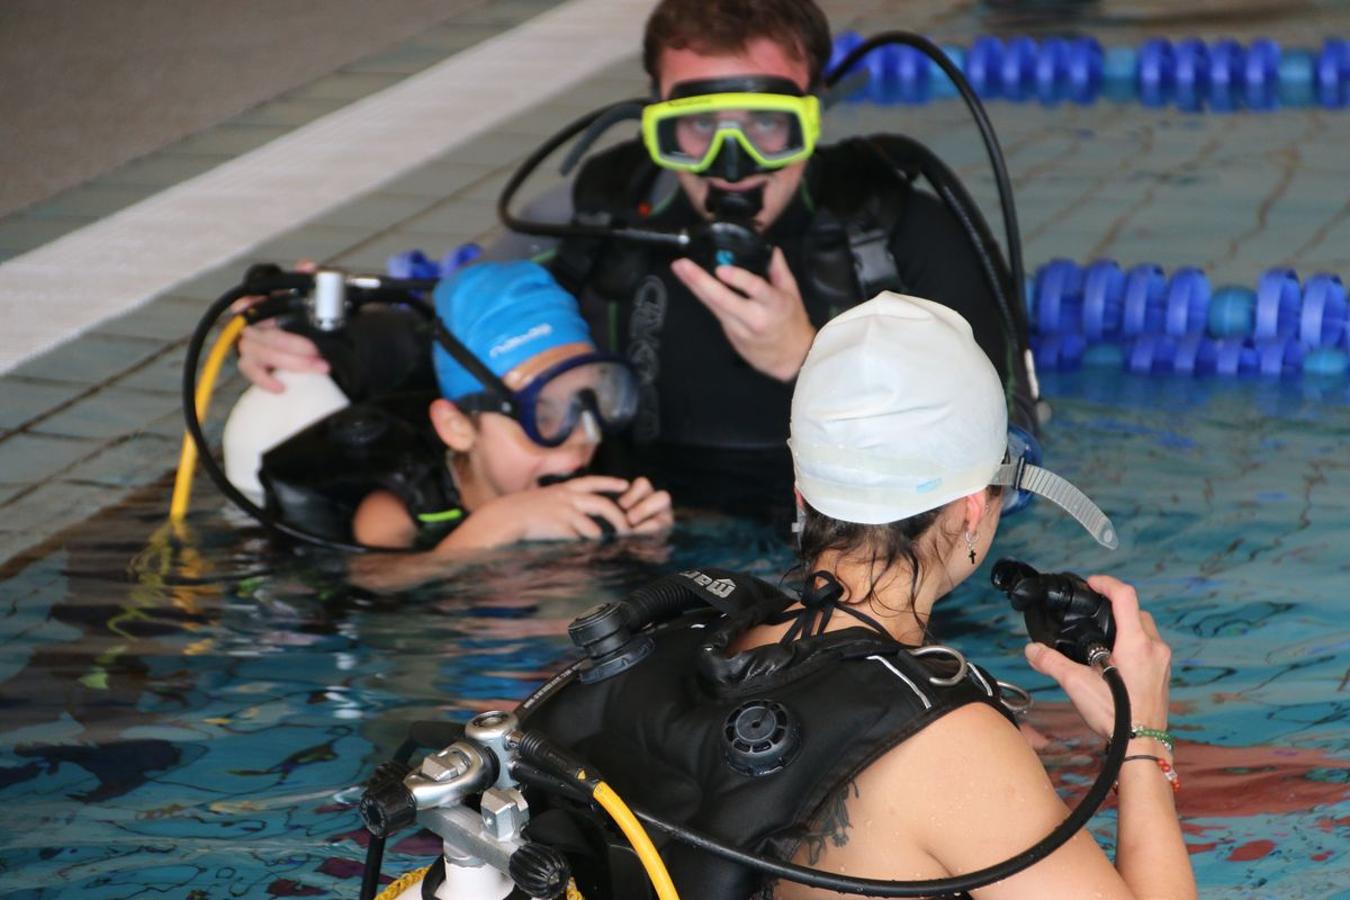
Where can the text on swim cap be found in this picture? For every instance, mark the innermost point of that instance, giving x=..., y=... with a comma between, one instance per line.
x=541, y=330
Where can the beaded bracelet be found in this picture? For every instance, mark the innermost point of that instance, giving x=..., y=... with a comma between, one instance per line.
x=1163, y=765
x=1163, y=737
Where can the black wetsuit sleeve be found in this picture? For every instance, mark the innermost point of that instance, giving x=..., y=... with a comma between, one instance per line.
x=935, y=261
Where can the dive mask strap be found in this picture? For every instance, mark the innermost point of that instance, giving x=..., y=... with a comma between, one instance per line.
x=1022, y=476
x=496, y=396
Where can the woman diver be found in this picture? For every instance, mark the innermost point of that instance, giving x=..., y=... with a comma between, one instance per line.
x=821, y=729
x=524, y=397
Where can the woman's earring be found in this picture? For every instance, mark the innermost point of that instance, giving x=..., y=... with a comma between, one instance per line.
x=970, y=545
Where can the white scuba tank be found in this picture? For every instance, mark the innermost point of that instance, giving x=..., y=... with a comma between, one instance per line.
x=461, y=883
x=261, y=420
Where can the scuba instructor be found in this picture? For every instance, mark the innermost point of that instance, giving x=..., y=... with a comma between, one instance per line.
x=716, y=341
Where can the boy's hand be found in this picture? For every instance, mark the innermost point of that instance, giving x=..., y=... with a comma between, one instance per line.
x=559, y=512
x=646, y=509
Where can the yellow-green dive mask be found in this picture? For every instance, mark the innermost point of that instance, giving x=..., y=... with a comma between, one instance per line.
x=732, y=127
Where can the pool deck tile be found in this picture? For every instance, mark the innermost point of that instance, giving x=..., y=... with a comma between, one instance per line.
x=287, y=111
x=163, y=318
x=26, y=231
x=164, y=374
x=211, y=284
x=376, y=212
x=161, y=170
x=311, y=242
x=91, y=201
x=92, y=359
x=27, y=459
x=24, y=400
x=108, y=413
x=346, y=86
x=403, y=61
x=51, y=507
x=130, y=462
x=227, y=140
x=374, y=254
x=437, y=180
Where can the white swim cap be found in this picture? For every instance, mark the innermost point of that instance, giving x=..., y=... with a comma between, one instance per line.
x=898, y=411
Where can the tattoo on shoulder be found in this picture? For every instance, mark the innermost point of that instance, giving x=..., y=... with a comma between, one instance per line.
x=830, y=826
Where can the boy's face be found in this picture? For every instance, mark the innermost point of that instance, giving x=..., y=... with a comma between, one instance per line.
x=505, y=460
x=760, y=57
x=502, y=459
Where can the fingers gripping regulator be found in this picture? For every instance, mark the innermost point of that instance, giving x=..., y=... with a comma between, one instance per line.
x=470, y=792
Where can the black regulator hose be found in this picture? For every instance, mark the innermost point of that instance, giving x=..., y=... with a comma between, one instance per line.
x=996, y=160
x=592, y=123
x=935, y=887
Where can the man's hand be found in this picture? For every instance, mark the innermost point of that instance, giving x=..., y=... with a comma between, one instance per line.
x=265, y=347
x=765, y=322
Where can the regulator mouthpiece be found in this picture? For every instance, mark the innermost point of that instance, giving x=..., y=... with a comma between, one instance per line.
x=731, y=238
x=1061, y=610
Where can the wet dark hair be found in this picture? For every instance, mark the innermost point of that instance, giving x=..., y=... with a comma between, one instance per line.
x=727, y=26
x=880, y=547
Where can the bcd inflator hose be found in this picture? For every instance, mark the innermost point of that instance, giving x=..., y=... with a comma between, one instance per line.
x=1191, y=74
x=1145, y=320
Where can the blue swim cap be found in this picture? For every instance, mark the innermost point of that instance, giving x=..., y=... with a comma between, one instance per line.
x=505, y=313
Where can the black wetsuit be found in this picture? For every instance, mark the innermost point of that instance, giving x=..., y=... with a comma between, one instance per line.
x=710, y=427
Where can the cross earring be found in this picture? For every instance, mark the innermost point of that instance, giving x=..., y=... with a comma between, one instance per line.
x=970, y=545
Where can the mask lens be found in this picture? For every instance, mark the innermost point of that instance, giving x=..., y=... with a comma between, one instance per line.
x=690, y=133
x=693, y=135
x=604, y=388
x=772, y=133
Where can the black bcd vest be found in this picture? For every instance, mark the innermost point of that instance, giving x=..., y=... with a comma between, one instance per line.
x=669, y=735
x=316, y=479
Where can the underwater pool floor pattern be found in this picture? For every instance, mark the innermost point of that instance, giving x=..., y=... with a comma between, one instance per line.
x=190, y=717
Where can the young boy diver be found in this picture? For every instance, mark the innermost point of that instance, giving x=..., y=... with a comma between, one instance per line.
x=524, y=398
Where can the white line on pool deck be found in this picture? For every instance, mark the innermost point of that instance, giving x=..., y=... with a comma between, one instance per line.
x=55, y=292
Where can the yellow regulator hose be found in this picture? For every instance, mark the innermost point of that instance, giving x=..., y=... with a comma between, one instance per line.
x=206, y=385
x=402, y=883
x=637, y=836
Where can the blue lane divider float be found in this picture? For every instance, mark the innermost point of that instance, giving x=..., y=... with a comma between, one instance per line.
x=1144, y=320
x=416, y=264
x=1191, y=74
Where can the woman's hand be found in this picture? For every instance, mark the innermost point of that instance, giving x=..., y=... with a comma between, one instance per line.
x=646, y=509
x=264, y=347
x=1141, y=656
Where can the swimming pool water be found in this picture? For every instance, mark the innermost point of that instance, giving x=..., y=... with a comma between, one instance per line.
x=194, y=723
